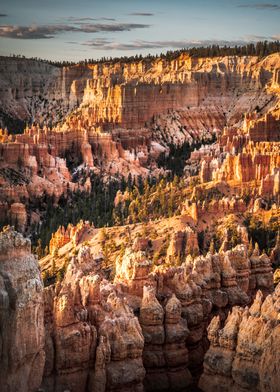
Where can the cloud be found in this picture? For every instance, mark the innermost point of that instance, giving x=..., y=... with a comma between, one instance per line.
x=261, y=6
x=106, y=44
x=3, y=15
x=141, y=14
x=114, y=27
x=34, y=32
x=256, y=38
x=88, y=19
x=50, y=31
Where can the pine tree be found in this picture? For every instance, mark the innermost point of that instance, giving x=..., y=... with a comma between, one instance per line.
x=39, y=250
x=257, y=249
x=103, y=236
x=53, y=267
x=250, y=249
x=212, y=247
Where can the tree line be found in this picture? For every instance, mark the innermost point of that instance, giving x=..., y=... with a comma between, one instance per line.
x=260, y=49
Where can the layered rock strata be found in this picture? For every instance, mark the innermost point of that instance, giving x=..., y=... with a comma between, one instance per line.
x=244, y=351
x=120, y=118
x=93, y=340
x=147, y=330
x=241, y=157
x=22, y=354
x=201, y=288
x=108, y=94
x=165, y=354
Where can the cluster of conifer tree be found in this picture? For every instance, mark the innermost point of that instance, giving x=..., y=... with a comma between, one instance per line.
x=147, y=201
x=260, y=49
x=142, y=200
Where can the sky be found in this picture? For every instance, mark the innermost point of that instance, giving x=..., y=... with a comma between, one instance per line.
x=74, y=30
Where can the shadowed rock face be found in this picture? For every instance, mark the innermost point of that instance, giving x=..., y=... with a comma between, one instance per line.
x=244, y=353
x=93, y=340
x=147, y=331
x=197, y=290
x=165, y=354
x=22, y=331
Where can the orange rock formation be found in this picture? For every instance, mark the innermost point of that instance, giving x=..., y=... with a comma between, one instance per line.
x=244, y=352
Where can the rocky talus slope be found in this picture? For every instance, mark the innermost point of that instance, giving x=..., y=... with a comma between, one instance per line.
x=22, y=331
x=30, y=90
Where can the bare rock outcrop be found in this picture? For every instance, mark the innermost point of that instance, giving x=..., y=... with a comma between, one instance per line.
x=192, y=294
x=93, y=340
x=248, y=154
x=71, y=233
x=165, y=353
x=107, y=94
x=119, y=118
x=22, y=355
x=244, y=353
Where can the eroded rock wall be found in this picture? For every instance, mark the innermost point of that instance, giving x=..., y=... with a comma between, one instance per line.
x=244, y=351
x=22, y=331
x=128, y=95
x=93, y=340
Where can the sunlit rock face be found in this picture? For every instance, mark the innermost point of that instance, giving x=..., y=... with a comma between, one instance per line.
x=22, y=354
x=93, y=340
x=145, y=331
x=119, y=118
x=244, y=352
x=182, y=300
x=73, y=234
x=247, y=154
x=130, y=94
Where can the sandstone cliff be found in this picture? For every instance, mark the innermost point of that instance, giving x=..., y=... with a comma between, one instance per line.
x=129, y=95
x=245, y=155
x=147, y=330
x=22, y=354
x=244, y=351
x=119, y=118
x=93, y=340
x=172, y=305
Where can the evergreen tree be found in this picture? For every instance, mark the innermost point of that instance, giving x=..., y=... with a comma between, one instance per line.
x=212, y=247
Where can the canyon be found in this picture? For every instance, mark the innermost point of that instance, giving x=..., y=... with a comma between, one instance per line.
x=120, y=118
x=177, y=289
x=128, y=95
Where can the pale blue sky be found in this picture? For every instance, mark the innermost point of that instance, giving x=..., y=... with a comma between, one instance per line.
x=74, y=30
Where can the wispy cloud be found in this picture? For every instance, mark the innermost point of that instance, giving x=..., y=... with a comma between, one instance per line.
x=141, y=14
x=106, y=44
x=50, y=31
x=261, y=6
x=75, y=19
x=255, y=38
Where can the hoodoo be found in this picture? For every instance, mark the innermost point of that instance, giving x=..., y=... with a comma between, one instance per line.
x=139, y=197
